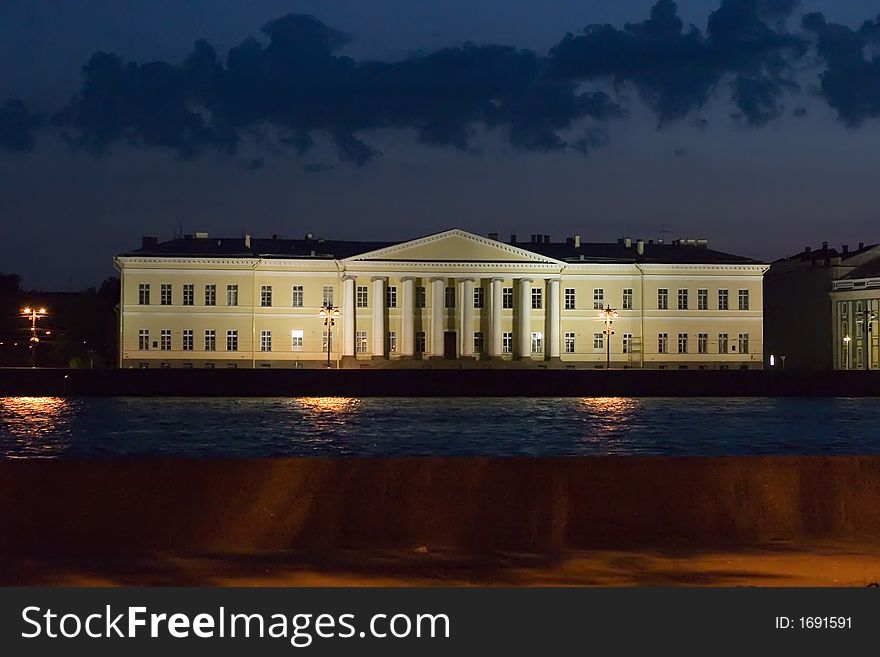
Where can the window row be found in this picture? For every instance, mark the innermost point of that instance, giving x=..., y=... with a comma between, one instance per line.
x=166, y=295
x=721, y=346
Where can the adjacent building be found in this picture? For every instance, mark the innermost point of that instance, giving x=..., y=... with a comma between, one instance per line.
x=200, y=301
x=813, y=301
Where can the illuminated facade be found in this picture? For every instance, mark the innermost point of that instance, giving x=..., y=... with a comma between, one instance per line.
x=855, y=302
x=449, y=299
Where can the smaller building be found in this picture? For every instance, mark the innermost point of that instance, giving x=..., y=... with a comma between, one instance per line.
x=855, y=301
x=803, y=330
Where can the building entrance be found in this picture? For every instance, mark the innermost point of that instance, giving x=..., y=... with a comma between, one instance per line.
x=449, y=343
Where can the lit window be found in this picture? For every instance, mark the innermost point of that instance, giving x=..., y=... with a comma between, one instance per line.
x=296, y=339
x=297, y=298
x=361, y=342
x=507, y=342
x=537, y=343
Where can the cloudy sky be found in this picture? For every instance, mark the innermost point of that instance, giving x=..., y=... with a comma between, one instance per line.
x=753, y=123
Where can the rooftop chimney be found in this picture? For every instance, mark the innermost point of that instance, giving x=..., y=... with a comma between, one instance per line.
x=513, y=238
x=309, y=236
x=627, y=242
x=640, y=247
x=861, y=245
x=824, y=246
x=493, y=236
x=201, y=235
x=845, y=249
x=546, y=239
x=149, y=241
x=247, y=241
x=577, y=241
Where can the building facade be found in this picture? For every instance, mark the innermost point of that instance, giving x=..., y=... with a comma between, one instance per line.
x=855, y=303
x=452, y=296
x=804, y=328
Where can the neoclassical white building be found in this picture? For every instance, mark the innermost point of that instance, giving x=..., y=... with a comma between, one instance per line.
x=451, y=298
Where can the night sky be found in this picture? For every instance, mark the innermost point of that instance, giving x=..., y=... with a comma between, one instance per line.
x=753, y=123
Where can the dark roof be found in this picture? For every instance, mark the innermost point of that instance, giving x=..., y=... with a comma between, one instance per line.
x=870, y=270
x=670, y=253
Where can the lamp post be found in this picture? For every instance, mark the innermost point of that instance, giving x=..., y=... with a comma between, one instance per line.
x=608, y=315
x=33, y=314
x=868, y=316
x=329, y=313
x=846, y=342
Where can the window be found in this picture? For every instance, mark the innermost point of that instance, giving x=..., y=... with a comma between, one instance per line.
x=507, y=297
x=187, y=339
x=189, y=294
x=265, y=296
x=391, y=296
x=210, y=295
x=569, y=343
x=627, y=298
x=537, y=298
x=421, y=297
x=362, y=296
x=743, y=299
x=598, y=298
x=144, y=339
x=265, y=340
x=702, y=299
x=663, y=299
x=165, y=294
x=682, y=299
x=296, y=339
x=144, y=294
x=327, y=296
x=537, y=342
x=210, y=340
x=232, y=295
x=722, y=300
x=507, y=342
x=479, y=298
x=478, y=342
x=297, y=299
x=392, y=342
x=420, y=345
x=231, y=340
x=703, y=343
x=682, y=343
x=325, y=339
x=165, y=339
x=722, y=343
x=449, y=300
x=743, y=343
x=360, y=342
x=569, y=298
x=598, y=341
x=627, y=343
x=662, y=343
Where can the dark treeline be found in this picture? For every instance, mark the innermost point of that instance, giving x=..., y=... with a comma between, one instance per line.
x=79, y=329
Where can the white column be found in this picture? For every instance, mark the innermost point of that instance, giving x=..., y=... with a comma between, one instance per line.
x=495, y=324
x=437, y=302
x=348, y=311
x=525, y=316
x=466, y=303
x=378, y=317
x=553, y=317
x=408, y=324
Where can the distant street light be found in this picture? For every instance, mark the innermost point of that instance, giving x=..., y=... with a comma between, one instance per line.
x=329, y=313
x=34, y=314
x=608, y=315
x=846, y=342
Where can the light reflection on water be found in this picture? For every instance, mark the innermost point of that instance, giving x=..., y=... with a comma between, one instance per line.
x=327, y=426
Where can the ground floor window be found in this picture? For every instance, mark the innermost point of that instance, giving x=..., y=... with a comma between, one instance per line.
x=265, y=340
x=420, y=346
x=296, y=339
x=361, y=342
x=703, y=343
x=598, y=341
x=210, y=340
x=478, y=342
x=569, y=343
x=682, y=343
x=627, y=343
x=722, y=343
x=165, y=340
x=392, y=342
x=743, y=343
x=537, y=343
x=662, y=343
x=507, y=343
x=231, y=340
x=144, y=339
x=187, y=339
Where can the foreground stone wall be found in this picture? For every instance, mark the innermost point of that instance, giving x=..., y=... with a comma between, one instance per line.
x=68, y=507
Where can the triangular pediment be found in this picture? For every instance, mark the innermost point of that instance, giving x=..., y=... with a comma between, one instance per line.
x=454, y=245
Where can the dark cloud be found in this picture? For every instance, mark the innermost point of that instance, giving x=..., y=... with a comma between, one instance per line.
x=17, y=126
x=291, y=87
x=851, y=81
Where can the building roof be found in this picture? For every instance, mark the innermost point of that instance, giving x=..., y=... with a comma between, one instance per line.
x=869, y=270
x=677, y=252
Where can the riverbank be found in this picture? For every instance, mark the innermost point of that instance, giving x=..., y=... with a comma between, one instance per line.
x=455, y=521
x=436, y=383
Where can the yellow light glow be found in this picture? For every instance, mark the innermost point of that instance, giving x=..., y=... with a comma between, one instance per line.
x=26, y=311
x=32, y=417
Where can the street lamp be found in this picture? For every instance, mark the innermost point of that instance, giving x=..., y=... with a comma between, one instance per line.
x=846, y=342
x=868, y=316
x=329, y=313
x=33, y=314
x=608, y=315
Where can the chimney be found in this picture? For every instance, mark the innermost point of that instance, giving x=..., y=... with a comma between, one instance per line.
x=201, y=235
x=149, y=242
x=546, y=239
x=493, y=236
x=640, y=247
x=627, y=242
x=513, y=238
x=824, y=246
x=534, y=238
x=577, y=241
x=275, y=236
x=861, y=245
x=309, y=236
x=807, y=249
x=845, y=249
x=247, y=241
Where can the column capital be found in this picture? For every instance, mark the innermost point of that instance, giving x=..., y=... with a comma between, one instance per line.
x=496, y=279
x=468, y=279
x=404, y=279
x=378, y=278
x=525, y=279
x=435, y=279
x=553, y=279
x=349, y=277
